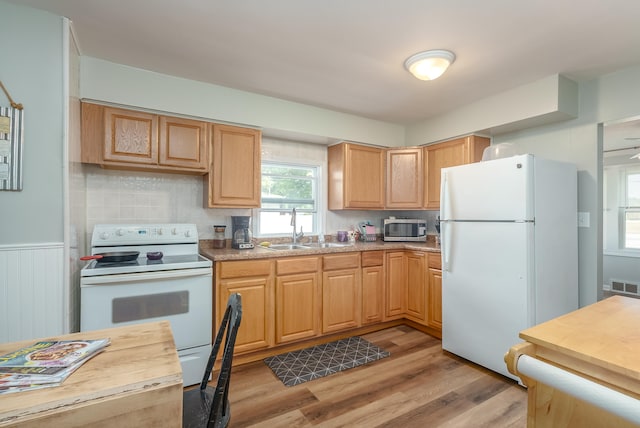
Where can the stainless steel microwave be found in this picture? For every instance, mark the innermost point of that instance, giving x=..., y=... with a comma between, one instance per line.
x=404, y=229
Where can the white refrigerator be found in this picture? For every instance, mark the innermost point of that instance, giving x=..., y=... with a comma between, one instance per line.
x=509, y=253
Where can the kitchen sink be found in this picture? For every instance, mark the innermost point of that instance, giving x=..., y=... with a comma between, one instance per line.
x=283, y=247
x=325, y=245
x=309, y=246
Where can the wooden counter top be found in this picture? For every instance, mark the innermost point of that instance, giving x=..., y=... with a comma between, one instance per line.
x=604, y=334
x=135, y=381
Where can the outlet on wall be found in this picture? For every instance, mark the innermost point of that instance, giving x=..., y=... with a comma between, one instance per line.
x=583, y=219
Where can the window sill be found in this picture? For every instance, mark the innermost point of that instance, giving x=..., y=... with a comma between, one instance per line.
x=622, y=253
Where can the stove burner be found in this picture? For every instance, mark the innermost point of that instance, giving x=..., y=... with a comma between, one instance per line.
x=116, y=264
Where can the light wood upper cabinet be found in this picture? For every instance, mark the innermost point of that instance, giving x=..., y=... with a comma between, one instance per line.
x=442, y=155
x=356, y=177
x=235, y=170
x=130, y=136
x=183, y=143
x=135, y=140
x=404, y=178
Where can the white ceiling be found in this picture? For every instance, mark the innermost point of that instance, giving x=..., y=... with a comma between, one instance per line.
x=348, y=55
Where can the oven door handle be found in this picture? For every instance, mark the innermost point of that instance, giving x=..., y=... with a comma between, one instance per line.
x=144, y=276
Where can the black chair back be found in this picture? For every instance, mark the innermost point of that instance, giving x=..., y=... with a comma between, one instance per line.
x=207, y=407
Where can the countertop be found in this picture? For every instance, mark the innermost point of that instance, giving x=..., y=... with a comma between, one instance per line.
x=263, y=253
x=135, y=381
x=604, y=334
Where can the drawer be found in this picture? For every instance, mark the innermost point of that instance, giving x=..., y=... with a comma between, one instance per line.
x=244, y=268
x=341, y=261
x=297, y=265
x=372, y=258
x=435, y=261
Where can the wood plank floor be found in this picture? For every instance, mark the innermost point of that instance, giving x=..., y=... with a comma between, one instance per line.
x=419, y=385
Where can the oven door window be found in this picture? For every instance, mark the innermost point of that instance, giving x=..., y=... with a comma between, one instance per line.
x=136, y=308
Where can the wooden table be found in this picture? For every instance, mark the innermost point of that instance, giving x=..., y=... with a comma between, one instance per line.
x=135, y=382
x=601, y=343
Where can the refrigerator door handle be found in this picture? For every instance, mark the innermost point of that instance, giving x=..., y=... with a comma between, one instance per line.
x=445, y=244
x=445, y=208
x=445, y=231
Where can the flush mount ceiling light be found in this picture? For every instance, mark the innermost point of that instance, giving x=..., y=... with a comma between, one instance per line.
x=429, y=65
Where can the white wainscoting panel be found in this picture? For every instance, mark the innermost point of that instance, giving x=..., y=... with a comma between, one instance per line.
x=31, y=291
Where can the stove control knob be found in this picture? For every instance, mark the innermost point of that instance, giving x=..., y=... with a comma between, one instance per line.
x=174, y=231
x=187, y=233
x=160, y=231
x=120, y=232
x=104, y=235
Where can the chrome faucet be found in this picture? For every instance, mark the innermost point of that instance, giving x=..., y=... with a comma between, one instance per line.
x=296, y=235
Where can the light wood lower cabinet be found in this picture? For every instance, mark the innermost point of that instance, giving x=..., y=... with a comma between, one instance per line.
x=396, y=285
x=372, y=287
x=417, y=286
x=434, y=294
x=341, y=292
x=298, y=298
x=254, y=281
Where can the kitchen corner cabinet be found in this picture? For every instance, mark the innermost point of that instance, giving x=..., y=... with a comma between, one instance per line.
x=417, y=286
x=341, y=292
x=356, y=177
x=298, y=298
x=135, y=140
x=396, y=285
x=434, y=292
x=449, y=153
x=234, y=174
x=254, y=280
x=373, y=281
x=404, y=178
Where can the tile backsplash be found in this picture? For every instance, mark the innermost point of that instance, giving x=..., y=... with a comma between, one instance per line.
x=142, y=197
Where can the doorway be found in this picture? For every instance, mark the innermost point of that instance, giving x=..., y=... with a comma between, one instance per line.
x=621, y=207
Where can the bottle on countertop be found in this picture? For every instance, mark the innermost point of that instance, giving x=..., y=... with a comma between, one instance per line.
x=218, y=236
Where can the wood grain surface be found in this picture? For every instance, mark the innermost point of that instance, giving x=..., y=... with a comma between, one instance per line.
x=419, y=385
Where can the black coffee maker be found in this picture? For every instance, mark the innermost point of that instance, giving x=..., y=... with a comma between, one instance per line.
x=241, y=232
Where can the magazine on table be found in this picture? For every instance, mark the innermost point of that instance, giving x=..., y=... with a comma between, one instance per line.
x=45, y=363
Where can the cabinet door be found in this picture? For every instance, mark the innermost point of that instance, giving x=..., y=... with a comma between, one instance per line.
x=442, y=155
x=396, y=284
x=183, y=143
x=356, y=177
x=404, y=178
x=372, y=294
x=340, y=300
x=234, y=176
x=297, y=307
x=434, y=318
x=130, y=136
x=417, y=286
x=256, y=328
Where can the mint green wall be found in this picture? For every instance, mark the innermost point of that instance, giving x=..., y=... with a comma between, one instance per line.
x=115, y=83
x=31, y=69
x=612, y=97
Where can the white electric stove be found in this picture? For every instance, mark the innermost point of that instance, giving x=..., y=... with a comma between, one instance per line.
x=176, y=287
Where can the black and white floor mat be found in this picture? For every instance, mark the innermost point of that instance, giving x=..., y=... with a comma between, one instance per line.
x=296, y=367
